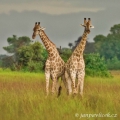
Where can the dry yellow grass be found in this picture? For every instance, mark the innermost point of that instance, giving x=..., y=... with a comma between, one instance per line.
x=22, y=97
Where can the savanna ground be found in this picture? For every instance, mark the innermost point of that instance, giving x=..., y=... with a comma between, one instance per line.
x=22, y=97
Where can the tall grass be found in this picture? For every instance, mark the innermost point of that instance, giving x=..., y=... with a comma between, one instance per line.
x=22, y=97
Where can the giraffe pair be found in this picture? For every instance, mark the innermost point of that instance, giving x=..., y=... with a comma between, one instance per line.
x=55, y=67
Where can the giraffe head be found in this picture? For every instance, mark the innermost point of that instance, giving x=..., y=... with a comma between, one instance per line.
x=36, y=30
x=87, y=25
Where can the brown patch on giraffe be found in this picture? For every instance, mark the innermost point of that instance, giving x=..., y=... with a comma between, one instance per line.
x=78, y=59
x=50, y=50
x=77, y=51
x=51, y=58
x=57, y=64
x=58, y=69
x=74, y=59
x=76, y=55
x=55, y=67
x=46, y=44
x=82, y=42
x=81, y=51
x=55, y=61
x=47, y=66
x=51, y=54
x=59, y=60
x=73, y=66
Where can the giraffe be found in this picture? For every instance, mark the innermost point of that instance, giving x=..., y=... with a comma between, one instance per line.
x=75, y=66
x=54, y=66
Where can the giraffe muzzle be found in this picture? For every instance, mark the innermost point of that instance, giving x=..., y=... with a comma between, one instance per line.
x=33, y=36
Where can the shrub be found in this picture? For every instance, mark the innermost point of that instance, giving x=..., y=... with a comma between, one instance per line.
x=113, y=64
x=35, y=66
x=66, y=53
x=95, y=65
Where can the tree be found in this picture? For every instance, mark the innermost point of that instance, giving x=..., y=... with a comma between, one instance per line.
x=95, y=65
x=109, y=46
x=89, y=48
x=99, y=40
x=77, y=42
x=66, y=53
x=115, y=29
x=15, y=43
x=32, y=57
x=70, y=45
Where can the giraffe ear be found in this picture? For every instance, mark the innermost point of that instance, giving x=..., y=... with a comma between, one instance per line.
x=43, y=28
x=82, y=25
x=92, y=26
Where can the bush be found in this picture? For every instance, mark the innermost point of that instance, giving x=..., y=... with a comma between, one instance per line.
x=35, y=66
x=66, y=53
x=32, y=57
x=95, y=65
x=113, y=64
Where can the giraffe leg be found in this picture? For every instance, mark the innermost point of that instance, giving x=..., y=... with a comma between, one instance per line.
x=69, y=86
x=54, y=83
x=68, y=83
x=58, y=88
x=73, y=77
x=64, y=80
x=47, y=75
x=80, y=82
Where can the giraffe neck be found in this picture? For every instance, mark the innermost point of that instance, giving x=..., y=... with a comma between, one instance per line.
x=49, y=45
x=81, y=46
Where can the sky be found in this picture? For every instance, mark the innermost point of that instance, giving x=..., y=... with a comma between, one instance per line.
x=61, y=18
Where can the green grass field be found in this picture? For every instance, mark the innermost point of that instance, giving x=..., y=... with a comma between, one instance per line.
x=22, y=97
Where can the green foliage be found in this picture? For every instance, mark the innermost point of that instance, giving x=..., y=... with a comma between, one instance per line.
x=99, y=40
x=95, y=62
x=24, y=55
x=35, y=66
x=37, y=51
x=1, y=63
x=15, y=43
x=95, y=65
x=89, y=47
x=115, y=29
x=109, y=46
x=7, y=61
x=93, y=73
x=113, y=64
x=32, y=57
x=66, y=53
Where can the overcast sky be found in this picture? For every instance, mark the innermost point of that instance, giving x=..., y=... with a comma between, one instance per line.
x=61, y=18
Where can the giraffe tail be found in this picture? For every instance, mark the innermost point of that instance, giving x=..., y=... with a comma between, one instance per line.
x=59, y=91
